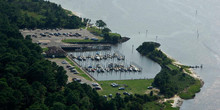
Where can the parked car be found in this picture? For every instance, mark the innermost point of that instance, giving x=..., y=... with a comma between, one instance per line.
x=73, y=70
x=114, y=85
x=121, y=88
x=110, y=95
x=126, y=93
x=95, y=84
x=67, y=66
x=64, y=62
x=76, y=79
x=150, y=87
x=97, y=87
x=76, y=72
x=118, y=94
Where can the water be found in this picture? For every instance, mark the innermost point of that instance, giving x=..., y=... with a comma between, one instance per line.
x=175, y=23
x=148, y=71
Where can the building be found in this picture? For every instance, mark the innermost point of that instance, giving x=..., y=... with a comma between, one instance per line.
x=55, y=52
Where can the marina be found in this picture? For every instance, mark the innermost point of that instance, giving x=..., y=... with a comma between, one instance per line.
x=100, y=61
x=107, y=65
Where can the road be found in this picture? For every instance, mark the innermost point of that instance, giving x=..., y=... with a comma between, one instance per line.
x=70, y=74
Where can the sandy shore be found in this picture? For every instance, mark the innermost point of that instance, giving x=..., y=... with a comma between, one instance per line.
x=177, y=101
x=75, y=13
x=177, y=63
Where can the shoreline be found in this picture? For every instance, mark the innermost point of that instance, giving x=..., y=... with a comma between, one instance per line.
x=73, y=12
x=178, y=101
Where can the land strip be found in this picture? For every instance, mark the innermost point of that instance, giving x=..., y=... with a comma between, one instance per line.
x=175, y=81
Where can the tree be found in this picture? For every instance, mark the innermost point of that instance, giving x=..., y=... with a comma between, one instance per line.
x=100, y=24
x=38, y=106
x=151, y=93
x=58, y=106
x=106, y=30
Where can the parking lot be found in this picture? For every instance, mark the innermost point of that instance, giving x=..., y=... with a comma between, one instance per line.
x=53, y=37
x=71, y=75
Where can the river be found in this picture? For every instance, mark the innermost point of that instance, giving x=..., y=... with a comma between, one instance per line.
x=188, y=30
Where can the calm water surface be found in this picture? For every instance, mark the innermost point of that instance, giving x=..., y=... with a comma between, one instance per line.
x=175, y=22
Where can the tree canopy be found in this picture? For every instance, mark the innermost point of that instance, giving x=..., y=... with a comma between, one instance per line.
x=30, y=82
x=39, y=14
x=100, y=24
x=171, y=79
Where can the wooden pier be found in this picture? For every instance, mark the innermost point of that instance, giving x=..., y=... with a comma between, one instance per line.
x=86, y=47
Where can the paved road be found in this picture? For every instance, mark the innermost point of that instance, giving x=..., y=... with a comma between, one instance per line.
x=70, y=74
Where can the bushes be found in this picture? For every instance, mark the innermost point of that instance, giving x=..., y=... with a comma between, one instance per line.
x=170, y=80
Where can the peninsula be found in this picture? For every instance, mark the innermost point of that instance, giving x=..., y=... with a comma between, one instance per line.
x=174, y=78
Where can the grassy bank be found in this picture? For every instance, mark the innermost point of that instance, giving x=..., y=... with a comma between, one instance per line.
x=131, y=86
x=189, y=92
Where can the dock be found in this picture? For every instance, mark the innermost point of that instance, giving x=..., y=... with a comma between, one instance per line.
x=86, y=47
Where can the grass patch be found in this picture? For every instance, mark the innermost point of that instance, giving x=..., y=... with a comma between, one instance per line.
x=45, y=49
x=114, y=34
x=172, y=67
x=131, y=86
x=98, y=32
x=153, y=106
x=86, y=77
x=81, y=73
x=190, y=91
x=33, y=14
x=79, y=40
x=95, y=31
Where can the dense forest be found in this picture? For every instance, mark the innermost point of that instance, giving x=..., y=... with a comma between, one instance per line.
x=30, y=82
x=38, y=14
x=171, y=79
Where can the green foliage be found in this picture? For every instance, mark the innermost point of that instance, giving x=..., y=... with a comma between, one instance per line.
x=86, y=77
x=191, y=90
x=171, y=79
x=28, y=81
x=39, y=14
x=45, y=49
x=147, y=47
x=95, y=31
x=106, y=34
x=100, y=24
x=168, y=106
x=131, y=86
